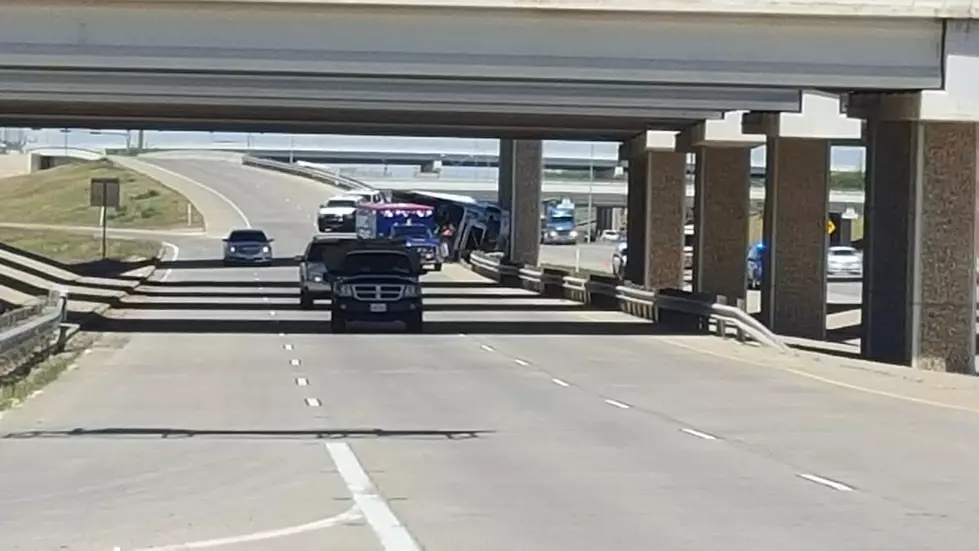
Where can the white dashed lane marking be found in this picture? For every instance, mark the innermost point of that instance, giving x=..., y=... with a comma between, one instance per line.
x=295, y=362
x=559, y=382
x=287, y=346
x=521, y=362
x=838, y=486
x=302, y=381
x=616, y=403
x=699, y=434
x=486, y=347
x=313, y=402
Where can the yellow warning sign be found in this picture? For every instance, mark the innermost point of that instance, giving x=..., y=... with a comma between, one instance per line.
x=830, y=226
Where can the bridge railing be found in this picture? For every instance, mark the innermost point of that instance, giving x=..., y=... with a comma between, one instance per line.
x=318, y=174
x=32, y=332
x=675, y=308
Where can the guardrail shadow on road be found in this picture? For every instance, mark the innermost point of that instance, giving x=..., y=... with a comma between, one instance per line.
x=200, y=326
x=109, y=269
x=231, y=294
x=489, y=306
x=29, y=289
x=251, y=434
x=217, y=263
x=208, y=283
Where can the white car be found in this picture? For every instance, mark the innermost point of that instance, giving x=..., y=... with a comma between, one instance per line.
x=844, y=261
x=337, y=213
x=368, y=196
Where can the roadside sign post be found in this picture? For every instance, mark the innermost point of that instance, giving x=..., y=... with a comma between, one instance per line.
x=104, y=194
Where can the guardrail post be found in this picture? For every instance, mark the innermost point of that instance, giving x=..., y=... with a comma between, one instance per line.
x=721, y=322
x=601, y=300
x=742, y=305
x=686, y=321
x=552, y=282
x=510, y=278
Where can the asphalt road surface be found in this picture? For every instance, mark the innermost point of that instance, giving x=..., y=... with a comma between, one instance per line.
x=215, y=414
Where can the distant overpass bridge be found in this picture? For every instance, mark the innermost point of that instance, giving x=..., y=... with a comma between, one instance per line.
x=603, y=193
x=605, y=166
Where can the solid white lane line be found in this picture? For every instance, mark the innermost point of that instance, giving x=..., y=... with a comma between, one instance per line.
x=295, y=362
x=699, y=434
x=287, y=346
x=393, y=534
x=218, y=194
x=350, y=515
x=313, y=402
x=302, y=381
x=521, y=362
x=616, y=403
x=559, y=382
x=176, y=255
x=838, y=486
x=486, y=347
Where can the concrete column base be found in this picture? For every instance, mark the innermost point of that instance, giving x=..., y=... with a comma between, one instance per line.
x=721, y=216
x=793, y=299
x=920, y=260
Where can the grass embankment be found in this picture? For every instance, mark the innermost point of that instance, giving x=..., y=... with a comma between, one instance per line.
x=76, y=248
x=60, y=196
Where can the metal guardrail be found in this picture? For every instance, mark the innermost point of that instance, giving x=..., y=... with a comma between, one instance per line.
x=317, y=174
x=632, y=300
x=37, y=328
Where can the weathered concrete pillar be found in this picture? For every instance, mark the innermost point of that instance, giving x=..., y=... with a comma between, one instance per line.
x=635, y=269
x=920, y=261
x=657, y=188
x=721, y=212
x=522, y=173
x=793, y=299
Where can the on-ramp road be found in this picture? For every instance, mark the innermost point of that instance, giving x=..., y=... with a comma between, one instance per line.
x=215, y=414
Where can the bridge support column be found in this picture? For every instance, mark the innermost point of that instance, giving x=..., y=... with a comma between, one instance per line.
x=796, y=210
x=721, y=211
x=919, y=290
x=793, y=299
x=521, y=174
x=657, y=191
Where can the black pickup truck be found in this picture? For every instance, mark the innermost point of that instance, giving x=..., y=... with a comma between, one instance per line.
x=378, y=282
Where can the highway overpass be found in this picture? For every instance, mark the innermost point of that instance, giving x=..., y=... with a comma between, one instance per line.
x=603, y=193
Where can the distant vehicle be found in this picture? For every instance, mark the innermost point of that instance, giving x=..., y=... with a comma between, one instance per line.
x=369, y=196
x=844, y=261
x=318, y=264
x=610, y=235
x=412, y=223
x=378, y=281
x=423, y=239
x=337, y=213
x=619, y=258
x=754, y=265
x=247, y=247
x=558, y=223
